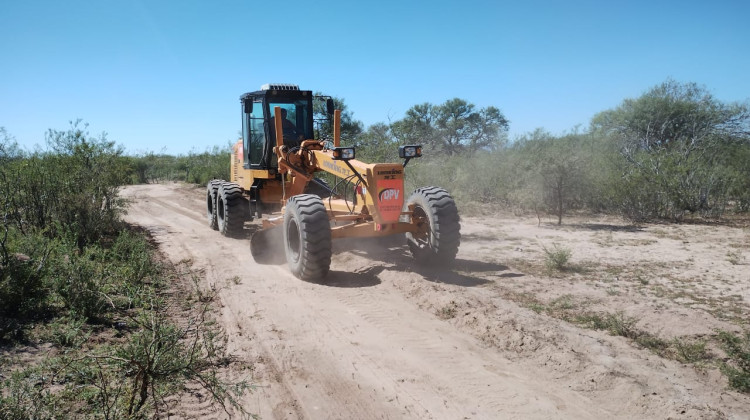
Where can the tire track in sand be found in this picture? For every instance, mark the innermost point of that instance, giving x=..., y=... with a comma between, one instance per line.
x=176, y=234
x=356, y=352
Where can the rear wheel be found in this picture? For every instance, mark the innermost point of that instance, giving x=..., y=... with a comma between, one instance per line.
x=439, y=230
x=231, y=209
x=211, y=191
x=307, y=235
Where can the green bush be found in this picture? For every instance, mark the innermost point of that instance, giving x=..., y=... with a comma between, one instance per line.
x=21, y=286
x=131, y=259
x=69, y=190
x=22, y=398
x=24, y=285
x=68, y=332
x=80, y=282
x=556, y=258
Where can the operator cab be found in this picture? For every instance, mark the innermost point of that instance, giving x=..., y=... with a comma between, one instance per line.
x=258, y=125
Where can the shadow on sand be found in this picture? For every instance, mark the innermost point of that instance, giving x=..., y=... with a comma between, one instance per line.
x=390, y=254
x=367, y=277
x=398, y=258
x=597, y=227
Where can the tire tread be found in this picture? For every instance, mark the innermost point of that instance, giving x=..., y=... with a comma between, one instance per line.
x=315, y=231
x=445, y=227
x=235, y=209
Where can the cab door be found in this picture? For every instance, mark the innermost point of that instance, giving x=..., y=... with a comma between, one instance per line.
x=253, y=134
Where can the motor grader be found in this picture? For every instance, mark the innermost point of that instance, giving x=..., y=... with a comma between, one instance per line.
x=273, y=168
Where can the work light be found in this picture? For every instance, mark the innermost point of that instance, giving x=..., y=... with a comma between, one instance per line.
x=410, y=151
x=343, y=153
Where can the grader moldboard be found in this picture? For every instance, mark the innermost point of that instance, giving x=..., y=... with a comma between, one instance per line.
x=272, y=171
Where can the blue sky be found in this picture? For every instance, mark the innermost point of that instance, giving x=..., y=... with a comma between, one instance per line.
x=167, y=76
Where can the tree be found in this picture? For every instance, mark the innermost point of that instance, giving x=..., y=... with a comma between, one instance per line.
x=377, y=144
x=551, y=172
x=453, y=127
x=675, y=141
x=350, y=128
x=417, y=126
x=9, y=149
x=675, y=115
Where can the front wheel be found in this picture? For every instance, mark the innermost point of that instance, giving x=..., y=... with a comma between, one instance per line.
x=307, y=235
x=439, y=231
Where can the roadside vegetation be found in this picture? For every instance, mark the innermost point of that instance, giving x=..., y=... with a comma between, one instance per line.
x=674, y=153
x=72, y=275
x=734, y=362
x=195, y=168
x=87, y=324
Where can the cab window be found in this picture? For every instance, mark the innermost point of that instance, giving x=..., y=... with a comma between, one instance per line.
x=297, y=113
x=253, y=135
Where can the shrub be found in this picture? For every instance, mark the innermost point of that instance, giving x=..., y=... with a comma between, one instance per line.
x=22, y=398
x=68, y=332
x=21, y=285
x=24, y=287
x=130, y=258
x=737, y=368
x=157, y=360
x=557, y=258
x=80, y=282
x=69, y=190
x=690, y=351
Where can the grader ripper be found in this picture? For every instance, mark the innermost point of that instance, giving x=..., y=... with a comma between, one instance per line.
x=272, y=179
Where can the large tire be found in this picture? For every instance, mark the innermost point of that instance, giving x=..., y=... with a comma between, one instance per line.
x=307, y=237
x=439, y=234
x=231, y=209
x=212, y=190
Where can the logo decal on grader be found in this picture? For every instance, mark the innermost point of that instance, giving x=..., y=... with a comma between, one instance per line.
x=390, y=199
x=389, y=194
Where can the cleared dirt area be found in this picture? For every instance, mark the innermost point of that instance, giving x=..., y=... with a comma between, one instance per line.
x=499, y=336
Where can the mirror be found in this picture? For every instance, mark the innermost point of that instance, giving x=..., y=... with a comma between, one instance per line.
x=329, y=106
x=248, y=106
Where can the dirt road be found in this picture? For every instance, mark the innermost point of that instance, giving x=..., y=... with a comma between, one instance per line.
x=383, y=338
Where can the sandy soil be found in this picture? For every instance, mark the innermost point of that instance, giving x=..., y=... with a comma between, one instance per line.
x=384, y=338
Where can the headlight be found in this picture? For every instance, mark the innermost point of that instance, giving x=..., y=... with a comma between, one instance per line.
x=343, y=153
x=411, y=151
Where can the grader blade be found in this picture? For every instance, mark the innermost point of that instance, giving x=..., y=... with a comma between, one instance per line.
x=267, y=246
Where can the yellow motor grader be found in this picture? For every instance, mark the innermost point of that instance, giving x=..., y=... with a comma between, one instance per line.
x=273, y=179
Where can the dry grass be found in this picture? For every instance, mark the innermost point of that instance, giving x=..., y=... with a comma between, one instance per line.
x=677, y=269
